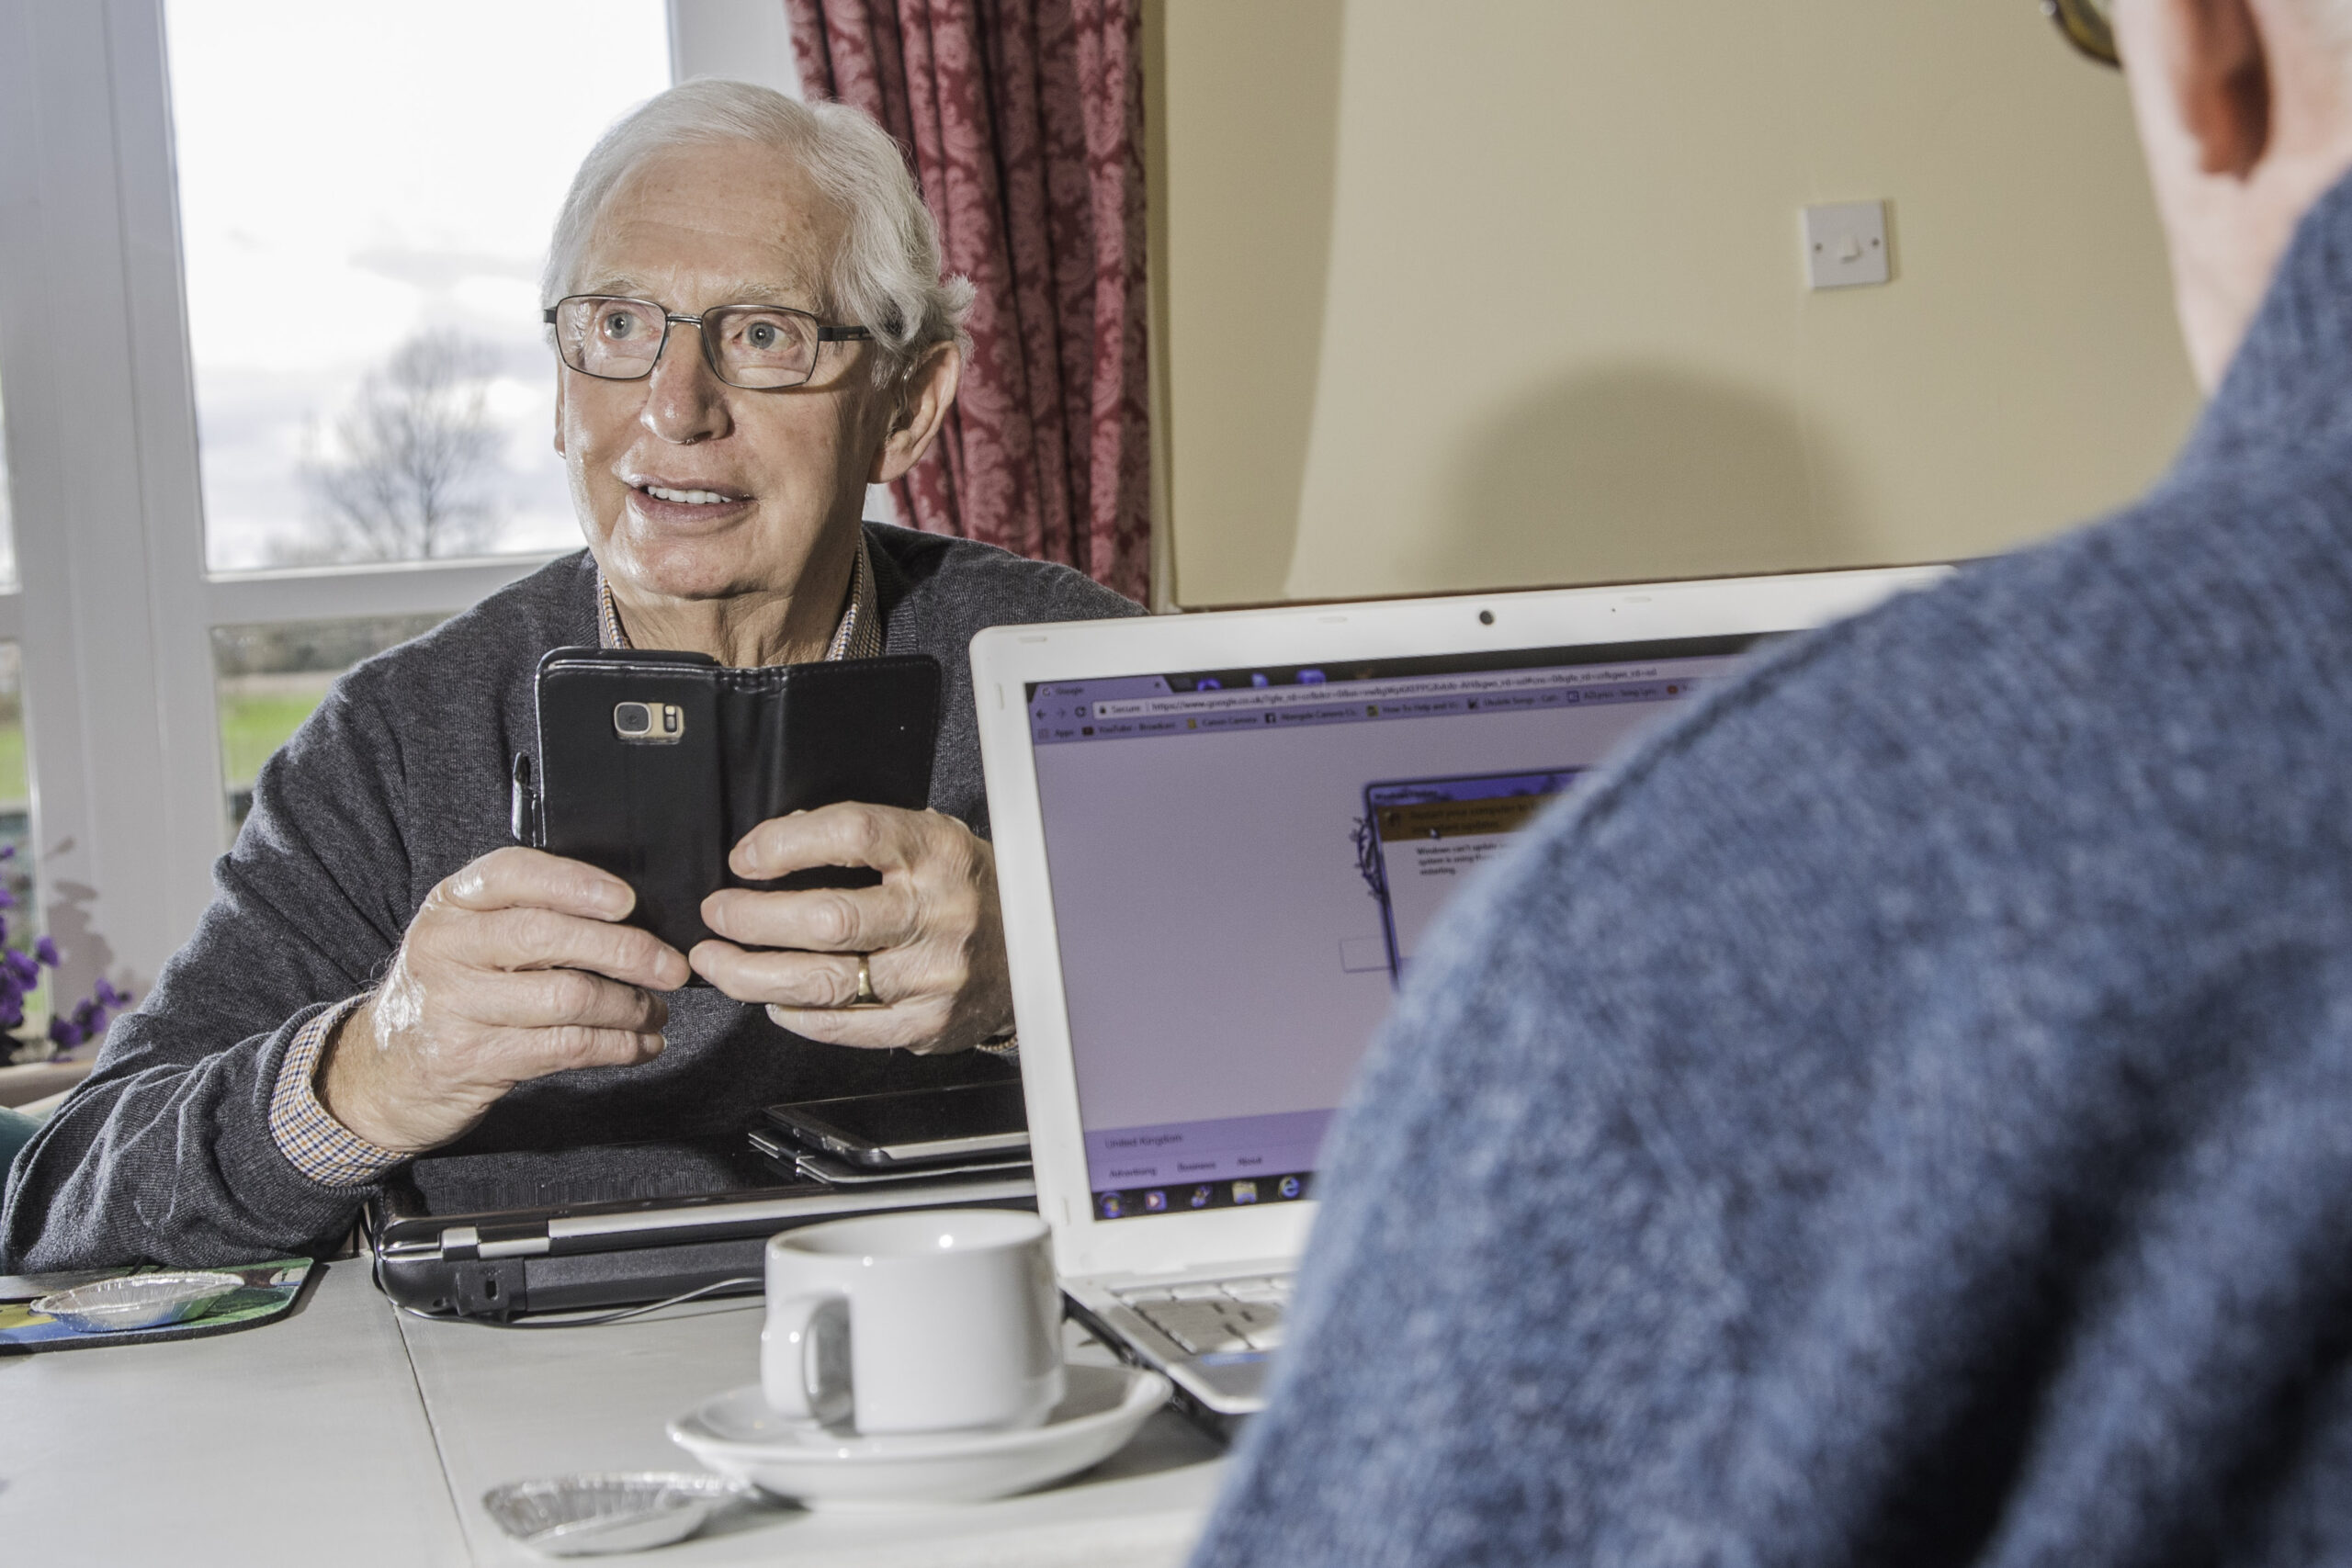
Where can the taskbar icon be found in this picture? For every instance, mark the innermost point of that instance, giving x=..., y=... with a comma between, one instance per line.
x=1240, y=1192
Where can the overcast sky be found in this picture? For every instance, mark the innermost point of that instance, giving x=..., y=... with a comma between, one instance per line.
x=352, y=175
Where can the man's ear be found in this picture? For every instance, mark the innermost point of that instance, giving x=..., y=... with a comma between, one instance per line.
x=559, y=413
x=924, y=398
x=2221, y=79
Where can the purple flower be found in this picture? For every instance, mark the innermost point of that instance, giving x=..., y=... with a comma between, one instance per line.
x=7, y=899
x=70, y=1028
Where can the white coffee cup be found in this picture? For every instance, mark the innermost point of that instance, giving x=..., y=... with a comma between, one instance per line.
x=932, y=1320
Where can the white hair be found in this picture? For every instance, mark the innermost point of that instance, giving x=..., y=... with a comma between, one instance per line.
x=886, y=276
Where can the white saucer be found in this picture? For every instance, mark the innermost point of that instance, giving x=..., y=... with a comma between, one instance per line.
x=823, y=1467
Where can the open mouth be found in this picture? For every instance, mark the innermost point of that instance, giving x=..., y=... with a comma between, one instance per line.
x=690, y=497
x=681, y=501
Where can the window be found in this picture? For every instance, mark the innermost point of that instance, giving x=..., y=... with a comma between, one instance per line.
x=268, y=679
x=372, y=382
x=20, y=914
x=7, y=534
x=360, y=196
x=15, y=790
x=16, y=775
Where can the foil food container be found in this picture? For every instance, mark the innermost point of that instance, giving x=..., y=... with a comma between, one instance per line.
x=579, y=1516
x=136, y=1300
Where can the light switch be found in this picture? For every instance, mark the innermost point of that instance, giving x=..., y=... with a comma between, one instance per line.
x=1845, y=244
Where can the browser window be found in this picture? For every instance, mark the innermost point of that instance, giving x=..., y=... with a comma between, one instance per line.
x=1245, y=862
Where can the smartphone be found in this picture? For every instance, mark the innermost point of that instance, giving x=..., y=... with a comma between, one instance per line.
x=654, y=766
x=796, y=1163
x=911, y=1127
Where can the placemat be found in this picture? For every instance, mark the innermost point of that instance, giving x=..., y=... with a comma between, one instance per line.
x=269, y=1289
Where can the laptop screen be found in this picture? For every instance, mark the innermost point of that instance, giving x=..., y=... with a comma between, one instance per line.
x=1245, y=862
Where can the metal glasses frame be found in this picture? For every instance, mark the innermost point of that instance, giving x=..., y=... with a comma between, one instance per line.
x=2087, y=26
x=825, y=334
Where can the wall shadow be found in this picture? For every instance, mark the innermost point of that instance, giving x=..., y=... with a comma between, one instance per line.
x=1639, y=471
x=86, y=953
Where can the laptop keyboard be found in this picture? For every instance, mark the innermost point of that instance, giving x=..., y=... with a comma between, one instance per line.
x=1219, y=1317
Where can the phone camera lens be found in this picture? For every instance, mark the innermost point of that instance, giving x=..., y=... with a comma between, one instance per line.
x=633, y=720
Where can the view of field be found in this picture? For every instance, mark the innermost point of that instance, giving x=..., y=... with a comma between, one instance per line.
x=15, y=784
x=258, y=713
x=15, y=790
x=267, y=679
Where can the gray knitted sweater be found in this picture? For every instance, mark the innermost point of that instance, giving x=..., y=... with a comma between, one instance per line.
x=1903, y=1114
x=399, y=779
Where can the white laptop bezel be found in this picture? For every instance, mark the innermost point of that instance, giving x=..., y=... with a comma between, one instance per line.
x=1005, y=660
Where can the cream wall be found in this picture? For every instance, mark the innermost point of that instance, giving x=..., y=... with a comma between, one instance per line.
x=1505, y=292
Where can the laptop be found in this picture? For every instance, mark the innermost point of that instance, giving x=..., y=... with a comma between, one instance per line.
x=1221, y=841
x=496, y=1236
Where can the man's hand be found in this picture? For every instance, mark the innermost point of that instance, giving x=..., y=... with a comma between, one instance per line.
x=515, y=967
x=931, y=935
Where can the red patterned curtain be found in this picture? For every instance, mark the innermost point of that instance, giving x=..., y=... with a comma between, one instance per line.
x=1023, y=121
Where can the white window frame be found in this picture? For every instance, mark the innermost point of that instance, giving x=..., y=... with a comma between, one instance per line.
x=114, y=605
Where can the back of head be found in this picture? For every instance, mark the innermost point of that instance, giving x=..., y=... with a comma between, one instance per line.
x=2244, y=110
x=886, y=276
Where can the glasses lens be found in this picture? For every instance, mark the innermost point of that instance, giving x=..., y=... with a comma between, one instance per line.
x=617, y=339
x=759, y=346
x=2087, y=25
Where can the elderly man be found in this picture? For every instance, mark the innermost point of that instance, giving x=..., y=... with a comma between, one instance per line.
x=1904, y=1115
x=746, y=303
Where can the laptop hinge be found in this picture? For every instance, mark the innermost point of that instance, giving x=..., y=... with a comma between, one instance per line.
x=461, y=1244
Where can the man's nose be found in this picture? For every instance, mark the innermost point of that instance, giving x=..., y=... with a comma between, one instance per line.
x=684, y=401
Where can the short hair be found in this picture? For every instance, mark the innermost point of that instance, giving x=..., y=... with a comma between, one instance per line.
x=886, y=276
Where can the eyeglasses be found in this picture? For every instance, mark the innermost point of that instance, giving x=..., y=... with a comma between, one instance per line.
x=758, y=347
x=2088, y=25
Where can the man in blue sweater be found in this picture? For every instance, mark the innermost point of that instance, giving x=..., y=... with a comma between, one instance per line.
x=1904, y=1113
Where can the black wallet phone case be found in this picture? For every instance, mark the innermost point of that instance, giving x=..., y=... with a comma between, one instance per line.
x=653, y=765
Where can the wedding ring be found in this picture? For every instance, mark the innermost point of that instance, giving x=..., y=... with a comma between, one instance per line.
x=866, y=997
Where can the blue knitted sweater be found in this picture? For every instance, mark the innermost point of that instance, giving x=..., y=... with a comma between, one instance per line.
x=1903, y=1114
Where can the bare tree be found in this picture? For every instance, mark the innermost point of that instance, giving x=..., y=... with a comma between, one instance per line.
x=413, y=472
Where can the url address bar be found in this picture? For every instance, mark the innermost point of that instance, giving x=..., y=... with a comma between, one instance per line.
x=1369, y=691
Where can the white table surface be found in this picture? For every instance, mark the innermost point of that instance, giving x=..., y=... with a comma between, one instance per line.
x=258, y=1447
x=353, y=1434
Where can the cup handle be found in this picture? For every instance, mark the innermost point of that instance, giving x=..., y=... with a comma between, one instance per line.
x=804, y=1358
